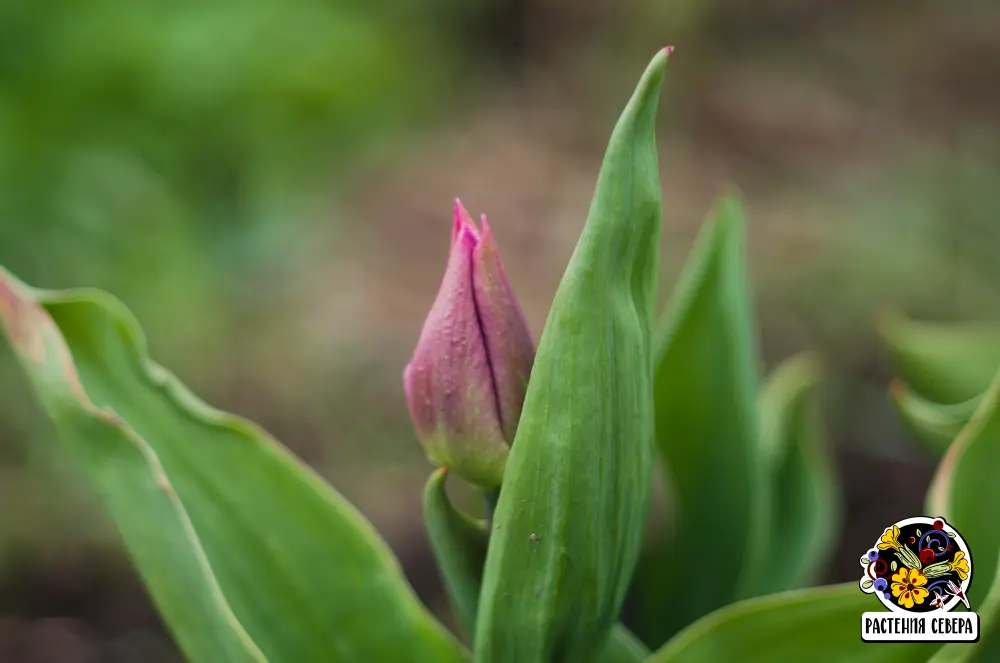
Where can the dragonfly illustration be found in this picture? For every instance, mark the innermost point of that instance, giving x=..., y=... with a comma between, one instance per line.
x=938, y=601
x=957, y=591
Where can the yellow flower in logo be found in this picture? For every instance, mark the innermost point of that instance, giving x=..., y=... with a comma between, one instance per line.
x=908, y=587
x=960, y=565
x=890, y=539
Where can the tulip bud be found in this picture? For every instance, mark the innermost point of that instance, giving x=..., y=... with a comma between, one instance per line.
x=466, y=382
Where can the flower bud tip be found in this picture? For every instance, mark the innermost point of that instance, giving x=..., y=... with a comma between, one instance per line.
x=462, y=219
x=466, y=382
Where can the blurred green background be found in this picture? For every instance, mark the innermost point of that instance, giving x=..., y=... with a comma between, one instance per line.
x=268, y=185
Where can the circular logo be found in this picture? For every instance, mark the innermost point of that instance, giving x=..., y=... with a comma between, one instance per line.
x=918, y=565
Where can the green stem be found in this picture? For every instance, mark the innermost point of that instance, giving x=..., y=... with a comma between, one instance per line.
x=491, y=497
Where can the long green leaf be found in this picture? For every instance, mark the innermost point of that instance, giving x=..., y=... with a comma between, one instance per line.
x=130, y=480
x=805, y=508
x=943, y=362
x=934, y=425
x=965, y=489
x=569, y=522
x=966, y=492
x=706, y=424
x=460, y=543
x=819, y=625
x=302, y=571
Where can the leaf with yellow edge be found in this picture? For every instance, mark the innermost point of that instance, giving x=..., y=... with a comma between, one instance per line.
x=248, y=554
x=943, y=362
x=965, y=491
x=819, y=625
x=934, y=425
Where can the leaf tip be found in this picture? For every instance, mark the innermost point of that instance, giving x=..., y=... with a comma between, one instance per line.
x=813, y=366
x=731, y=200
x=898, y=389
x=8, y=303
x=648, y=91
x=22, y=318
x=660, y=59
x=887, y=319
x=436, y=482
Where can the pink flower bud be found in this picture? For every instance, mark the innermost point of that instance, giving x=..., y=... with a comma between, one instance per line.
x=466, y=382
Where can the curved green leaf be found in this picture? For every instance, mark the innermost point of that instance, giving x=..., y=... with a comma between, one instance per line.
x=622, y=647
x=943, y=362
x=706, y=423
x=966, y=492
x=934, y=425
x=302, y=571
x=819, y=625
x=805, y=515
x=569, y=522
x=459, y=544
x=130, y=480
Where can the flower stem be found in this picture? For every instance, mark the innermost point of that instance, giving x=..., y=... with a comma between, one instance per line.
x=491, y=497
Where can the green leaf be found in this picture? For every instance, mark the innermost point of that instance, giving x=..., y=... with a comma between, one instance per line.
x=706, y=426
x=622, y=647
x=966, y=492
x=805, y=513
x=460, y=543
x=130, y=479
x=569, y=522
x=943, y=362
x=934, y=425
x=820, y=625
x=243, y=548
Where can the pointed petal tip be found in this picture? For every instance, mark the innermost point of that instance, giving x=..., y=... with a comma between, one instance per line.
x=487, y=243
x=456, y=219
x=466, y=235
x=668, y=50
x=461, y=219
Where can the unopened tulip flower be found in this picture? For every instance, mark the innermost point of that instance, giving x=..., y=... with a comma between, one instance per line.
x=466, y=382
